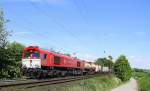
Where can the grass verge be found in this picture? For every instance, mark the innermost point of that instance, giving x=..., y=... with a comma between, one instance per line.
x=143, y=81
x=101, y=83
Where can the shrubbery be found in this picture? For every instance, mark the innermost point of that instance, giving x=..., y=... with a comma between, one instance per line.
x=10, y=66
x=10, y=54
x=122, y=68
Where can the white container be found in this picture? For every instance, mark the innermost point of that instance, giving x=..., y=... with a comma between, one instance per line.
x=98, y=68
x=105, y=69
x=87, y=65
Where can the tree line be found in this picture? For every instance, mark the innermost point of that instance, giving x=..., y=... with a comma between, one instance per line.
x=11, y=53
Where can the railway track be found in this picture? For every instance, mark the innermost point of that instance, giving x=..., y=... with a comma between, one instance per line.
x=32, y=84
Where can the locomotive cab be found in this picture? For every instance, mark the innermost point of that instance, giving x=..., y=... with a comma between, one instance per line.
x=31, y=58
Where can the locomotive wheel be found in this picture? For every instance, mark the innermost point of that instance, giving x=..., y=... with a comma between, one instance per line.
x=32, y=75
x=38, y=76
x=44, y=75
x=63, y=73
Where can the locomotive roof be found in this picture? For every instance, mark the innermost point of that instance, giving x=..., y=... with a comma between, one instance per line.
x=36, y=48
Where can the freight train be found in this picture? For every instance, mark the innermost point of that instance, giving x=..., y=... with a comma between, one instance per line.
x=37, y=62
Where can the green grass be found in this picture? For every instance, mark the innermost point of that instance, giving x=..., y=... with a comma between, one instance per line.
x=140, y=75
x=143, y=81
x=101, y=83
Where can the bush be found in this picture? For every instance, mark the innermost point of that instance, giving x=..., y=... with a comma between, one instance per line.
x=10, y=59
x=122, y=68
x=10, y=63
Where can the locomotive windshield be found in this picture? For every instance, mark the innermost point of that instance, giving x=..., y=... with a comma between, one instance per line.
x=27, y=55
x=34, y=55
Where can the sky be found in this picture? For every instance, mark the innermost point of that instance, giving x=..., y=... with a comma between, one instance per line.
x=88, y=29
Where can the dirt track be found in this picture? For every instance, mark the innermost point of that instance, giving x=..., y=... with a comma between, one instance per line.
x=129, y=86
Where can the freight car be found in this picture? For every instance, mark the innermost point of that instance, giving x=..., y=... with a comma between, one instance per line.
x=41, y=63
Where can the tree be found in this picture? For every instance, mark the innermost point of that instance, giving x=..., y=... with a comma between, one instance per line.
x=122, y=68
x=67, y=54
x=110, y=58
x=4, y=53
x=3, y=33
x=100, y=61
x=10, y=66
x=16, y=50
x=15, y=56
x=52, y=50
x=10, y=54
x=104, y=62
x=16, y=46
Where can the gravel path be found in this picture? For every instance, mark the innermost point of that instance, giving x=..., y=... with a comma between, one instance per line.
x=130, y=86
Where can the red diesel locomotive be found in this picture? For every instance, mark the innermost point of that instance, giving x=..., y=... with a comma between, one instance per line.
x=40, y=63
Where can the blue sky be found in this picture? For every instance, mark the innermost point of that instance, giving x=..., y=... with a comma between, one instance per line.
x=85, y=27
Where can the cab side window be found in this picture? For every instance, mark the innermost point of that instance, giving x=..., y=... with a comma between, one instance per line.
x=44, y=57
x=56, y=60
x=78, y=64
